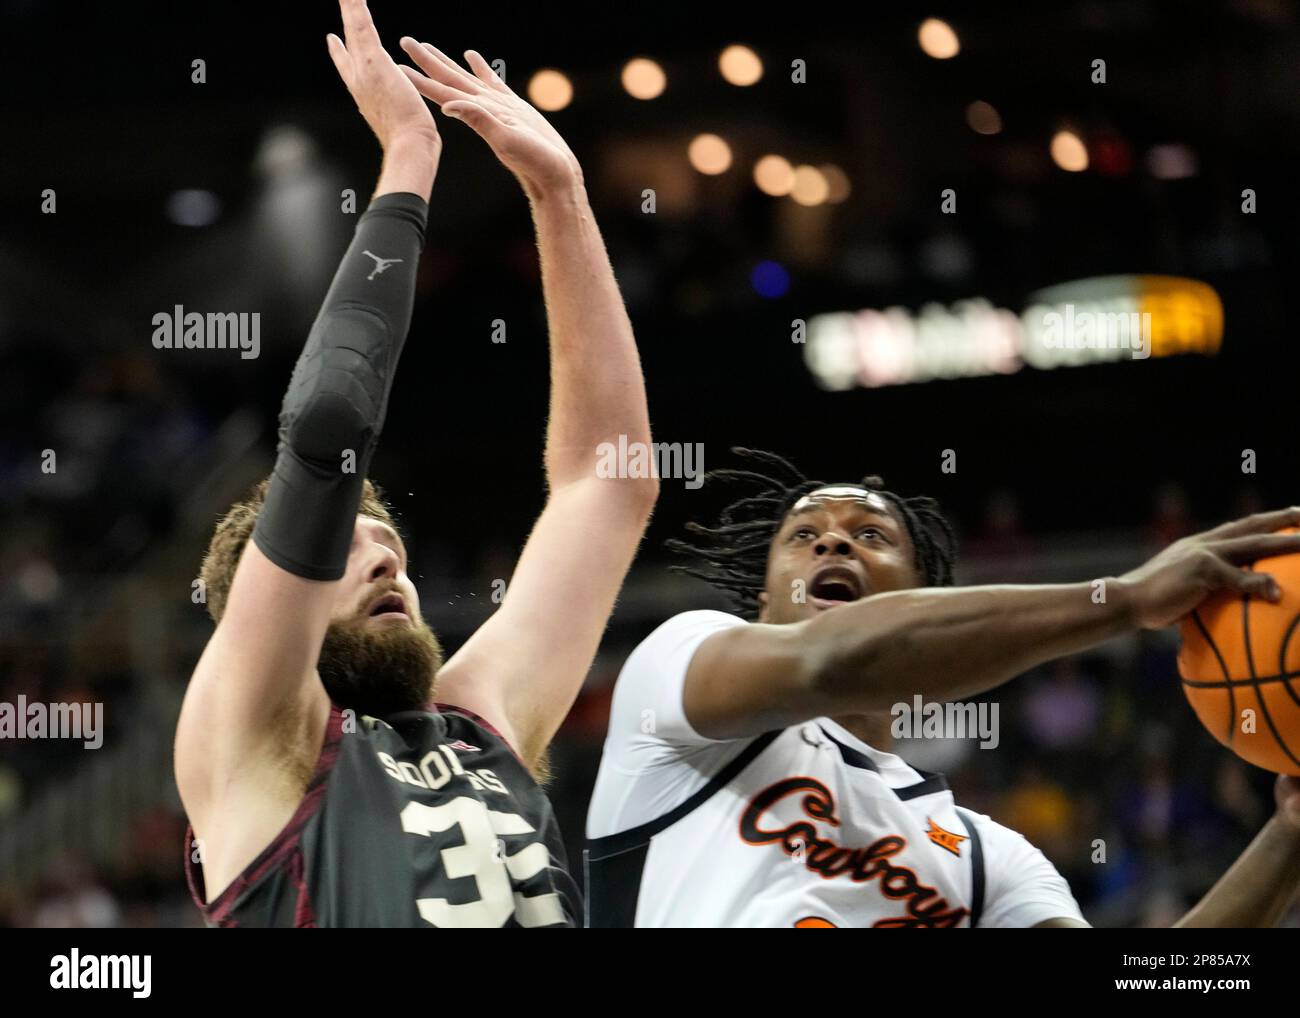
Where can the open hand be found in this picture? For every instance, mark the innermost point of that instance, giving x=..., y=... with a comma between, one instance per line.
x=384, y=95
x=1174, y=582
x=519, y=135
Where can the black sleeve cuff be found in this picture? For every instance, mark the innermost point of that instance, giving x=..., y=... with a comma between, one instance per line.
x=400, y=205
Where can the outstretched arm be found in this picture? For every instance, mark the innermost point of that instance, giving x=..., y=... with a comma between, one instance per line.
x=525, y=665
x=255, y=704
x=943, y=644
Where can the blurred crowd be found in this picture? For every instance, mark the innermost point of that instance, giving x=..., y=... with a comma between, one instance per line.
x=74, y=516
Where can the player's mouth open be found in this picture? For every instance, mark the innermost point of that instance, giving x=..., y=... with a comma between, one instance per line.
x=389, y=606
x=833, y=586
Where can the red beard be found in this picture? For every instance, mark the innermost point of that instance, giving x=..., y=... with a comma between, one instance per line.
x=379, y=670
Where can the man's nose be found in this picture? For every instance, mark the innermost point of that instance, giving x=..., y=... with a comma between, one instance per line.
x=832, y=543
x=385, y=563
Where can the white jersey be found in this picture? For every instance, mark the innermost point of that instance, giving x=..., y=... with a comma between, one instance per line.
x=808, y=826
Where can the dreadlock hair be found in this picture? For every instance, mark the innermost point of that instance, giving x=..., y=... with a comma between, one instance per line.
x=732, y=554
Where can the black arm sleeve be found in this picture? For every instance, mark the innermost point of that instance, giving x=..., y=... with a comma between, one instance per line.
x=338, y=395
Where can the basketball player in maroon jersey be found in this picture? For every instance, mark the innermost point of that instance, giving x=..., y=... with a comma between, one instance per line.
x=323, y=784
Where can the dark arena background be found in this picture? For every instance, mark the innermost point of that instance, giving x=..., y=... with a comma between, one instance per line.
x=836, y=262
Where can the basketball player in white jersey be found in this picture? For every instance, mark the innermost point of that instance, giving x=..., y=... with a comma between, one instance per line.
x=746, y=778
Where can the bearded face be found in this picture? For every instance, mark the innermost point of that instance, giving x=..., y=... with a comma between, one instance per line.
x=379, y=663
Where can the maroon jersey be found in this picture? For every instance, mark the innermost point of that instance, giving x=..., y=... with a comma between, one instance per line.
x=421, y=818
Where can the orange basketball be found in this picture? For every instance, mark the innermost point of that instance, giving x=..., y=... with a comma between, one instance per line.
x=1240, y=663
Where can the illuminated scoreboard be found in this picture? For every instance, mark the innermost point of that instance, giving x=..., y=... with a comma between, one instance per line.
x=1109, y=318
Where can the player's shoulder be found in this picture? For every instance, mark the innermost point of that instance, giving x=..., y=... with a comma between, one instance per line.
x=1005, y=849
x=687, y=626
x=700, y=617
x=664, y=655
x=646, y=710
x=988, y=828
x=1023, y=886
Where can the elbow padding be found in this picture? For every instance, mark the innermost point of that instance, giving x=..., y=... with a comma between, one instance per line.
x=334, y=409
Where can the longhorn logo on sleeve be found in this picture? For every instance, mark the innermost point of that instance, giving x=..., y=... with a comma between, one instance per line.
x=828, y=859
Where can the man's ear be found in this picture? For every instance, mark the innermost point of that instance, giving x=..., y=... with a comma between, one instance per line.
x=762, y=606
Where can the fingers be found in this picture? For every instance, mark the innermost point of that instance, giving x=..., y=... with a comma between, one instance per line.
x=483, y=70
x=438, y=67
x=424, y=60
x=431, y=89
x=1248, y=548
x=449, y=71
x=1247, y=581
x=1259, y=523
x=480, y=118
x=339, y=54
x=358, y=27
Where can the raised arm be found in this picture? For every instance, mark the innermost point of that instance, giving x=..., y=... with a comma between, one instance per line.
x=255, y=706
x=1262, y=884
x=525, y=665
x=943, y=643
